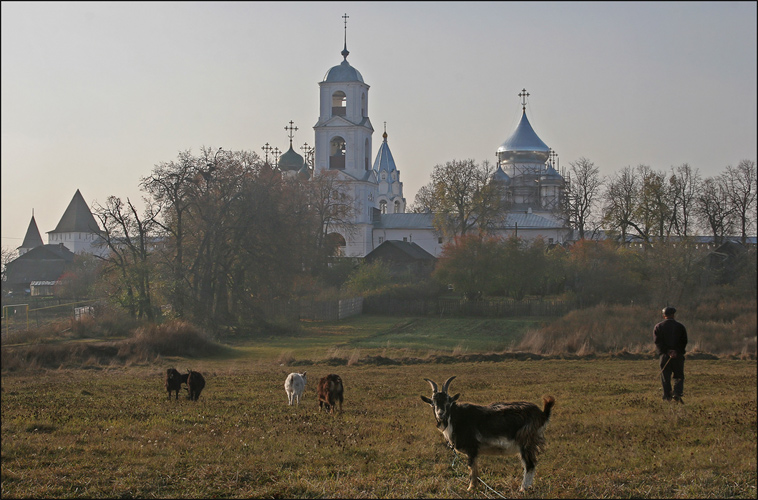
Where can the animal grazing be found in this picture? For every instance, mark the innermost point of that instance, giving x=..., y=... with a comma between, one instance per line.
x=174, y=381
x=294, y=386
x=195, y=384
x=330, y=391
x=497, y=429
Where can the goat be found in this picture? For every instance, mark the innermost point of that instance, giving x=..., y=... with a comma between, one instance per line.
x=195, y=383
x=330, y=392
x=497, y=429
x=294, y=386
x=174, y=381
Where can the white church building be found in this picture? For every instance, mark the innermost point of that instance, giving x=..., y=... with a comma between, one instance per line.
x=344, y=143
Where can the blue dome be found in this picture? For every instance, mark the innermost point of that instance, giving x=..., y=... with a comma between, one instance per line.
x=343, y=72
x=524, y=145
x=500, y=176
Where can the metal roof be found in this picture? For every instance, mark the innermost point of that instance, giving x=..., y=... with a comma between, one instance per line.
x=384, y=160
x=77, y=218
x=32, y=238
x=343, y=72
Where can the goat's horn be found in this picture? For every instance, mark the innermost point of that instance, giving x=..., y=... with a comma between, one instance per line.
x=445, y=386
x=431, y=382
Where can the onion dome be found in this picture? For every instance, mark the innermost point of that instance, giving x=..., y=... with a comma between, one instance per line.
x=551, y=175
x=523, y=145
x=500, y=176
x=291, y=161
x=304, y=173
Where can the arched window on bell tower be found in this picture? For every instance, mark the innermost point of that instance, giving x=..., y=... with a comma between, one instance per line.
x=339, y=104
x=383, y=206
x=337, y=150
x=364, y=112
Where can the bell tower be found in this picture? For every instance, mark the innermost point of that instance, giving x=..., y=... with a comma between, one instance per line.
x=343, y=132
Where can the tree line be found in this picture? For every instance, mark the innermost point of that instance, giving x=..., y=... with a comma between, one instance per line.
x=221, y=232
x=642, y=202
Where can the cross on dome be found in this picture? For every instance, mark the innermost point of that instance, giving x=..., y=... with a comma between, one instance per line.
x=523, y=95
x=290, y=129
x=345, y=52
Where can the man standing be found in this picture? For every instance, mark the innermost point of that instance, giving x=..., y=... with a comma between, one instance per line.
x=670, y=338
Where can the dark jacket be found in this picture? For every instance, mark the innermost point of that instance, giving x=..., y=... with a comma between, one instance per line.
x=670, y=335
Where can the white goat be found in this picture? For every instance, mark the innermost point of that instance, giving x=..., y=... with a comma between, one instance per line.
x=295, y=385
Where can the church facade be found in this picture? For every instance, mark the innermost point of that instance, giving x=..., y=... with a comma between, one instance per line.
x=344, y=142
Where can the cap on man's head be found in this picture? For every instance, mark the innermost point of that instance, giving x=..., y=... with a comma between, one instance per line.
x=669, y=311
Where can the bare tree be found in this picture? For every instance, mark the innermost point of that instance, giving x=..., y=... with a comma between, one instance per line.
x=740, y=185
x=127, y=235
x=653, y=213
x=582, y=191
x=620, y=201
x=685, y=184
x=713, y=208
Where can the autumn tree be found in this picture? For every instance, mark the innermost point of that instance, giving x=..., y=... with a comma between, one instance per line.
x=604, y=272
x=684, y=183
x=462, y=196
x=472, y=264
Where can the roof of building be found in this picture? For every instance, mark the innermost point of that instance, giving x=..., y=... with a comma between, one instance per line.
x=43, y=263
x=384, y=161
x=343, y=72
x=77, y=218
x=32, y=238
x=405, y=221
x=409, y=249
x=426, y=221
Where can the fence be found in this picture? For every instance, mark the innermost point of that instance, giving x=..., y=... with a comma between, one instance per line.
x=386, y=306
x=317, y=310
x=39, y=313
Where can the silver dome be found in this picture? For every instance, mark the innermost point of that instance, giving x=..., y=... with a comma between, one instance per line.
x=343, y=72
x=523, y=145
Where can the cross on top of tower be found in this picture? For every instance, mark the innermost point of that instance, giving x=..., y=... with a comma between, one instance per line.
x=290, y=129
x=523, y=95
x=345, y=52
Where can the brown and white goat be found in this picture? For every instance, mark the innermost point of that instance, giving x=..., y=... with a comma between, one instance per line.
x=174, y=381
x=497, y=429
x=330, y=391
x=195, y=384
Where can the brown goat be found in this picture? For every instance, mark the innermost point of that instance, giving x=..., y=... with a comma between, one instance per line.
x=195, y=384
x=330, y=392
x=174, y=381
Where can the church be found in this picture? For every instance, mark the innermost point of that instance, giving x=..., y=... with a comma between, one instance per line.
x=344, y=142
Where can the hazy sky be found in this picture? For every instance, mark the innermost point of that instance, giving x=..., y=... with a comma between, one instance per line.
x=94, y=95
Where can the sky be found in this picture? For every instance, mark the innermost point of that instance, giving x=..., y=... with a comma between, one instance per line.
x=96, y=94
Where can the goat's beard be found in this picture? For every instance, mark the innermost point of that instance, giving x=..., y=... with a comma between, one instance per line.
x=441, y=423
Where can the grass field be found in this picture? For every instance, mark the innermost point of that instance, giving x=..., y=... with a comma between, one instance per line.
x=108, y=430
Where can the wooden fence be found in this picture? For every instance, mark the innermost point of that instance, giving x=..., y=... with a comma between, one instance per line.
x=318, y=310
x=460, y=307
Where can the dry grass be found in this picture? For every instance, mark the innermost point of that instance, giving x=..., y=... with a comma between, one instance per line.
x=610, y=435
